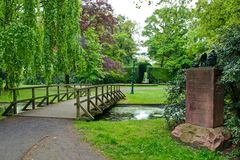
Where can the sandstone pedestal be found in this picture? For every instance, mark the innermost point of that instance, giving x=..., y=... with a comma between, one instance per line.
x=204, y=110
x=204, y=97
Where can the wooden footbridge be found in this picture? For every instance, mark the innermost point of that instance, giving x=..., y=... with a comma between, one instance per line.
x=64, y=101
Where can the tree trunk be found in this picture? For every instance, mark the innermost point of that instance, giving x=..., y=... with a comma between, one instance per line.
x=162, y=60
x=67, y=79
x=6, y=85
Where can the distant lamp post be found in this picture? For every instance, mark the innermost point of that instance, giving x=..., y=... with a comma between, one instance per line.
x=133, y=74
x=83, y=42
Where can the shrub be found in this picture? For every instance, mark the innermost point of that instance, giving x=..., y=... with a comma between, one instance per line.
x=158, y=75
x=175, y=112
x=128, y=74
x=229, y=54
x=113, y=77
x=142, y=68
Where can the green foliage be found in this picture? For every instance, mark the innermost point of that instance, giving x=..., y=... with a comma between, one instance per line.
x=49, y=43
x=128, y=74
x=142, y=68
x=113, y=77
x=215, y=18
x=229, y=50
x=61, y=39
x=158, y=75
x=16, y=54
x=68, y=35
x=175, y=112
x=91, y=67
x=167, y=32
x=124, y=45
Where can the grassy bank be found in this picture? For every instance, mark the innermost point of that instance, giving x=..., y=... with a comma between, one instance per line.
x=1, y=111
x=139, y=140
x=146, y=95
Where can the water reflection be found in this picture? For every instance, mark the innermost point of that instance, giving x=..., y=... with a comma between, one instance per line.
x=134, y=112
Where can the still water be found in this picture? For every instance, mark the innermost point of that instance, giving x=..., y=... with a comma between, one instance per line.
x=134, y=112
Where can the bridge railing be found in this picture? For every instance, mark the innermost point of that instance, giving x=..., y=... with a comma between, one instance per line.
x=37, y=96
x=98, y=98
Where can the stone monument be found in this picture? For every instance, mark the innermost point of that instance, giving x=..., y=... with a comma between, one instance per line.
x=204, y=97
x=204, y=110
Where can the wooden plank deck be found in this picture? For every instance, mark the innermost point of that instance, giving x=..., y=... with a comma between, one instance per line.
x=65, y=109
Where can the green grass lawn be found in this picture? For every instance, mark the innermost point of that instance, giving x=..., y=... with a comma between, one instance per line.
x=25, y=94
x=147, y=95
x=139, y=140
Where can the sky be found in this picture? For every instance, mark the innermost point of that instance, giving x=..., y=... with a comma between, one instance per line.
x=128, y=9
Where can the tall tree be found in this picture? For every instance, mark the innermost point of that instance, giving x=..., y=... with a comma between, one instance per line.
x=67, y=37
x=166, y=30
x=124, y=45
x=215, y=17
x=49, y=44
x=91, y=66
x=16, y=41
x=30, y=16
x=99, y=16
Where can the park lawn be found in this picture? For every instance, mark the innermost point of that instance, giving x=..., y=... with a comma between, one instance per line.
x=147, y=95
x=139, y=140
x=25, y=94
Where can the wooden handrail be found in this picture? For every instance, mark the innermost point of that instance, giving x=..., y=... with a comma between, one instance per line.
x=60, y=95
x=110, y=93
x=52, y=85
x=95, y=104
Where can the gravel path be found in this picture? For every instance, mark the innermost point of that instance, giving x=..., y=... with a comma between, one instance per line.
x=25, y=138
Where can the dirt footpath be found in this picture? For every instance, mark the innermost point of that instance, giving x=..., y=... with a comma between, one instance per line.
x=26, y=138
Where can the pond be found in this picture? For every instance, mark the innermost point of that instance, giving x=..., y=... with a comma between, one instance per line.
x=133, y=112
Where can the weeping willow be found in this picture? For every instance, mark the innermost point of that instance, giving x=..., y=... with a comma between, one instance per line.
x=68, y=35
x=61, y=41
x=31, y=13
x=49, y=43
x=38, y=38
x=16, y=42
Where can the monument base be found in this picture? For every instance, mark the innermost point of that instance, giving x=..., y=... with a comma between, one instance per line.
x=196, y=136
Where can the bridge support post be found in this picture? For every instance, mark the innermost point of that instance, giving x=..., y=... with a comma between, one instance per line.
x=103, y=93
x=96, y=95
x=67, y=92
x=33, y=98
x=74, y=87
x=78, y=104
x=47, y=94
x=58, y=92
x=107, y=91
x=88, y=99
x=14, y=100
